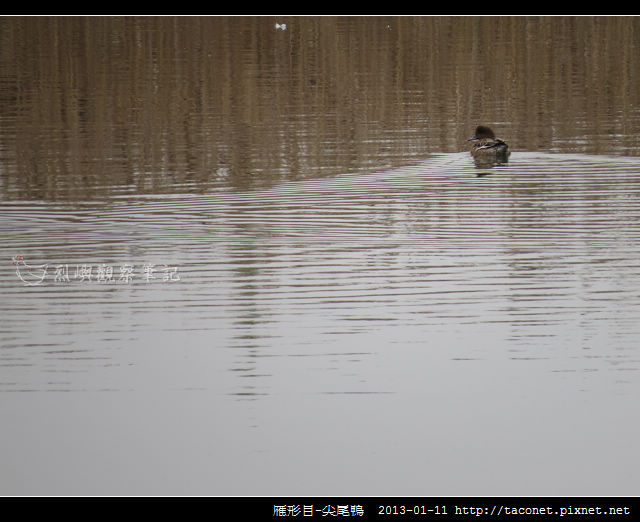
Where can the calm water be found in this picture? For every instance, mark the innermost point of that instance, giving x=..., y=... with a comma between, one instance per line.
x=263, y=262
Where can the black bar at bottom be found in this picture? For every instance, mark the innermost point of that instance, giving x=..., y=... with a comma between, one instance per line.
x=338, y=508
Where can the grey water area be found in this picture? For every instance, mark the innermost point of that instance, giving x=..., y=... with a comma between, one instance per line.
x=252, y=256
x=418, y=330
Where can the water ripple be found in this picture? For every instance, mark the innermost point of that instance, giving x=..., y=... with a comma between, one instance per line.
x=531, y=256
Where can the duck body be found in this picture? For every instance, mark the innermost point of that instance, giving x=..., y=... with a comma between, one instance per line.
x=487, y=147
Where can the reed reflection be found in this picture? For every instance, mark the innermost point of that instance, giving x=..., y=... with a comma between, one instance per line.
x=94, y=105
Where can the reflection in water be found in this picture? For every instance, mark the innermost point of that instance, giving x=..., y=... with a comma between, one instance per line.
x=102, y=105
x=353, y=293
x=533, y=255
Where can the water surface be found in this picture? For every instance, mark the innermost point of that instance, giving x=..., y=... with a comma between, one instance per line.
x=272, y=267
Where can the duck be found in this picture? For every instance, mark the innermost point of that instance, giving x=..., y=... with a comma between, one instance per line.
x=488, y=148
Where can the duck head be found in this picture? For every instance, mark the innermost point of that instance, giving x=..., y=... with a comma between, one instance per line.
x=482, y=133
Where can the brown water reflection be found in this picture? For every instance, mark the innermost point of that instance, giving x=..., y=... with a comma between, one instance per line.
x=353, y=294
x=92, y=106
